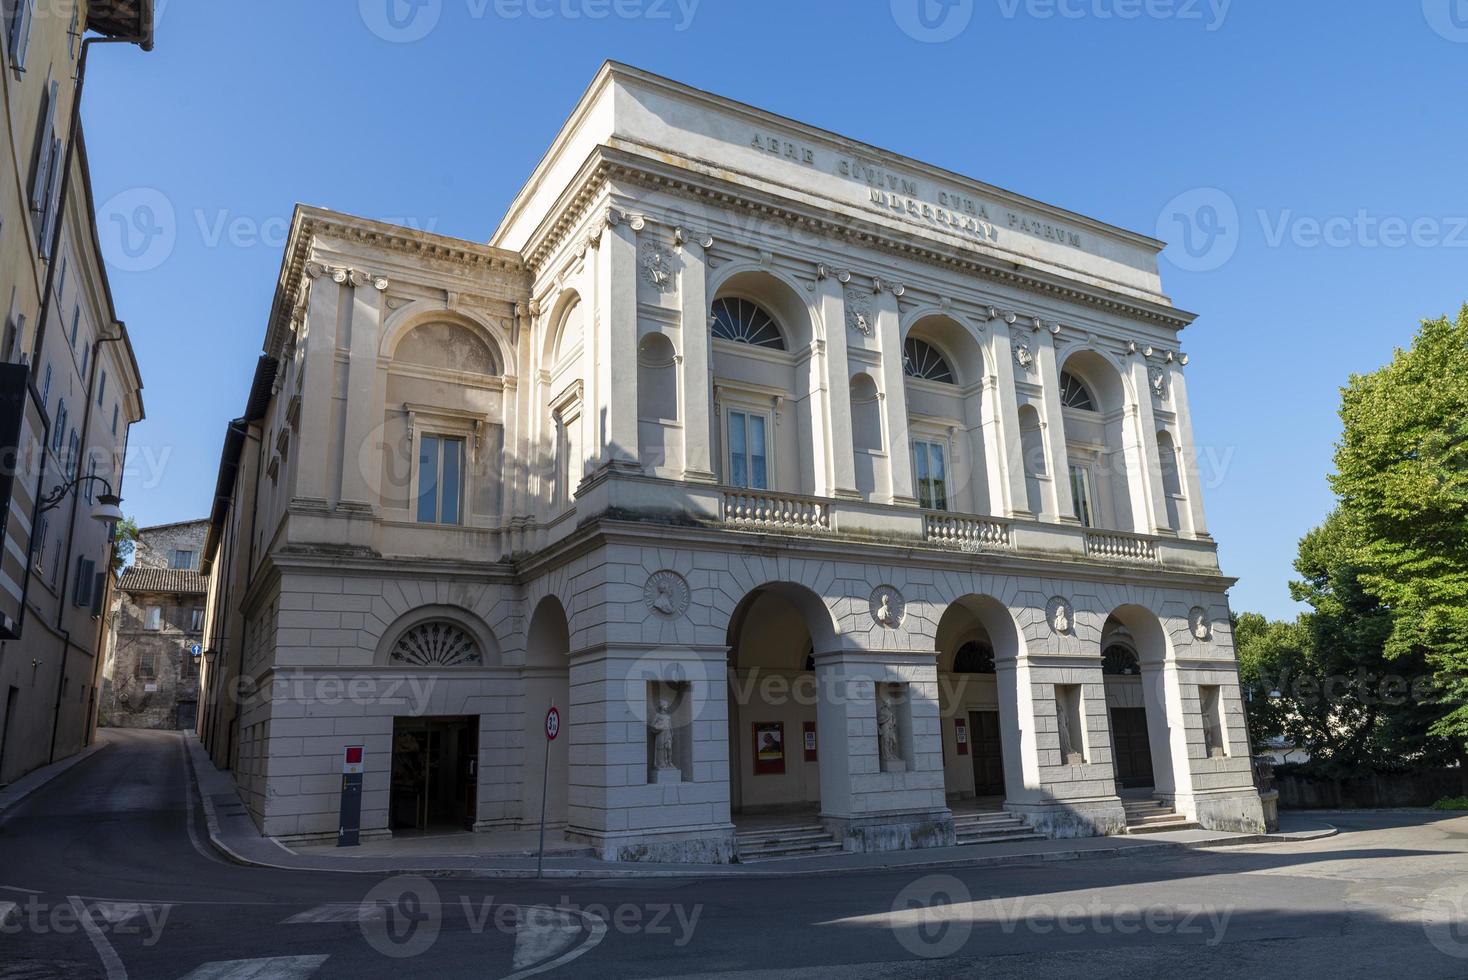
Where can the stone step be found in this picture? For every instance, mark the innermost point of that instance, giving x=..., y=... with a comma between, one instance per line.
x=999, y=831
x=785, y=837
x=1178, y=822
x=999, y=838
x=770, y=852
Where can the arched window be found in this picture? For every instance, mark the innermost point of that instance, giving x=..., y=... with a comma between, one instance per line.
x=974, y=658
x=744, y=322
x=1120, y=661
x=436, y=644
x=921, y=359
x=1075, y=394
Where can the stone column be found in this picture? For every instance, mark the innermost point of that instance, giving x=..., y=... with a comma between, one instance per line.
x=363, y=415
x=1052, y=426
x=615, y=350
x=1002, y=442
x=696, y=363
x=318, y=385
x=894, y=391
x=1139, y=435
x=1187, y=449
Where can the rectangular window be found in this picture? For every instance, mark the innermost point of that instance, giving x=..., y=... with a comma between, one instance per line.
x=91, y=471
x=153, y=618
x=41, y=156
x=931, y=475
x=440, y=479
x=58, y=435
x=82, y=590
x=748, y=453
x=182, y=559
x=73, y=450
x=115, y=407
x=101, y=388
x=86, y=358
x=196, y=621
x=18, y=30
x=147, y=669
x=61, y=292
x=1080, y=492
x=46, y=387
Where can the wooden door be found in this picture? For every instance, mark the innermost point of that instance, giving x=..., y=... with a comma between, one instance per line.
x=1131, y=747
x=988, y=753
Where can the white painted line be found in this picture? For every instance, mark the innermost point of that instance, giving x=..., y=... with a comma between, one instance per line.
x=542, y=934
x=545, y=928
x=338, y=912
x=111, y=962
x=264, y=968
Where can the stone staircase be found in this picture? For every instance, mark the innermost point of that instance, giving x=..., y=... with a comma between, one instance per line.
x=795, y=840
x=1148, y=816
x=990, y=827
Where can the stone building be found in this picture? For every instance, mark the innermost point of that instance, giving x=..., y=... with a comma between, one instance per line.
x=70, y=386
x=151, y=674
x=800, y=476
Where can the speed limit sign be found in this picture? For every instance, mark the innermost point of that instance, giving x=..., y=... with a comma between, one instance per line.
x=552, y=724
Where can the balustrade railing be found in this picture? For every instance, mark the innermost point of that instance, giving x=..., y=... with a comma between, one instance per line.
x=761, y=508
x=1120, y=547
x=966, y=533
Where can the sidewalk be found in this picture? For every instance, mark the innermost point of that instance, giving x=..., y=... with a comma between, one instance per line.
x=235, y=835
x=13, y=794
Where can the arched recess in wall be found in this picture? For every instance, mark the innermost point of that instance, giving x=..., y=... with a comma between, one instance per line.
x=659, y=437
x=566, y=441
x=943, y=368
x=978, y=645
x=1093, y=400
x=1172, y=487
x=761, y=333
x=547, y=682
x=443, y=422
x=1148, y=731
x=872, y=462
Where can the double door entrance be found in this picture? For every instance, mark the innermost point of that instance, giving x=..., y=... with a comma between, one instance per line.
x=435, y=774
x=1132, y=748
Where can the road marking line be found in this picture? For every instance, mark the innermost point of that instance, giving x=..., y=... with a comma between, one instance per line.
x=338, y=912
x=548, y=928
x=264, y=968
x=543, y=933
x=110, y=960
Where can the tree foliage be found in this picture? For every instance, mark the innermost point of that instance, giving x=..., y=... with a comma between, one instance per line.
x=1402, y=479
x=124, y=541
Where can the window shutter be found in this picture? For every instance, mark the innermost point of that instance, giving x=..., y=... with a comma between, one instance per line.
x=53, y=199
x=85, y=570
x=20, y=33
x=41, y=165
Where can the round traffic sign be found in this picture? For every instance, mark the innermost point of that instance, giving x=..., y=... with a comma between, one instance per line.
x=552, y=724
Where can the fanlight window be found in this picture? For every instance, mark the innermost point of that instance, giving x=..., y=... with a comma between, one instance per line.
x=1075, y=394
x=743, y=322
x=1120, y=661
x=436, y=644
x=974, y=658
x=921, y=359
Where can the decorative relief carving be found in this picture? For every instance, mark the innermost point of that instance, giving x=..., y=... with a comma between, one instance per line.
x=859, y=311
x=1061, y=615
x=1158, y=379
x=666, y=594
x=657, y=266
x=1023, y=357
x=1199, y=624
x=887, y=606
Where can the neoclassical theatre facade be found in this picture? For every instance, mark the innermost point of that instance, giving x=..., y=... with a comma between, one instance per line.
x=800, y=477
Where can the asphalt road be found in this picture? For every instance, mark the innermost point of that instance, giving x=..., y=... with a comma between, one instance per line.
x=107, y=872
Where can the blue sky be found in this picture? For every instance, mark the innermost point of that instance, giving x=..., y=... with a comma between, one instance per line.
x=1313, y=150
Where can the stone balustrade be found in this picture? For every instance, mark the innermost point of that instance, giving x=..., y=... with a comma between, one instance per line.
x=761, y=508
x=1117, y=546
x=966, y=532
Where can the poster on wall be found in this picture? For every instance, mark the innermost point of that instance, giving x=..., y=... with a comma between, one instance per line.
x=769, y=747
x=809, y=732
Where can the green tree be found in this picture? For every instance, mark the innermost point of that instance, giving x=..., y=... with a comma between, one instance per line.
x=124, y=540
x=1402, y=479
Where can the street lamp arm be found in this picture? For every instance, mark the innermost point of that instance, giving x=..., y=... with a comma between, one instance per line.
x=58, y=493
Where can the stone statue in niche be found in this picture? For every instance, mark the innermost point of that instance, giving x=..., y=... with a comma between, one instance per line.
x=888, y=743
x=661, y=726
x=1069, y=751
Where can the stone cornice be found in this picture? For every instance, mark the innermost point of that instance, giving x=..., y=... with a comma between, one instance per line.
x=608, y=165
x=415, y=248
